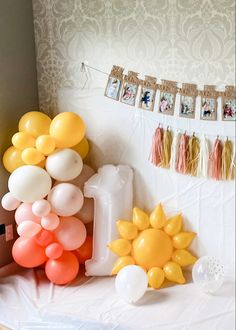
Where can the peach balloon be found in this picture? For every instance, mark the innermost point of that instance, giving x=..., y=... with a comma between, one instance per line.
x=54, y=251
x=85, y=174
x=63, y=269
x=24, y=212
x=28, y=228
x=41, y=208
x=86, y=213
x=27, y=253
x=50, y=221
x=71, y=233
x=44, y=237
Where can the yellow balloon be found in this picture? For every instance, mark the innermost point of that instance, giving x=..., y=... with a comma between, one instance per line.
x=183, y=239
x=173, y=272
x=12, y=159
x=174, y=225
x=31, y=156
x=121, y=263
x=158, y=218
x=35, y=123
x=45, y=144
x=156, y=277
x=22, y=140
x=82, y=148
x=140, y=219
x=121, y=246
x=67, y=129
x=152, y=248
x=183, y=258
x=127, y=229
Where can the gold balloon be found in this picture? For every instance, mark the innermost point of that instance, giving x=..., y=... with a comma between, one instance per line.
x=121, y=246
x=121, y=263
x=174, y=225
x=183, y=258
x=35, y=123
x=183, y=239
x=12, y=159
x=173, y=272
x=152, y=248
x=156, y=277
x=158, y=218
x=31, y=156
x=45, y=144
x=67, y=129
x=82, y=148
x=22, y=140
x=140, y=219
x=127, y=229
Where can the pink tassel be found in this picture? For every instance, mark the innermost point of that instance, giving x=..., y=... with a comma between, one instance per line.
x=181, y=165
x=216, y=160
x=157, y=147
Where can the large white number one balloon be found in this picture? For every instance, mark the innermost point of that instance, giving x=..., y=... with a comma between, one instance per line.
x=112, y=190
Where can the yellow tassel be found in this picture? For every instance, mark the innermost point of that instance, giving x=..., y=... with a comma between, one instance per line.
x=227, y=154
x=193, y=155
x=167, y=142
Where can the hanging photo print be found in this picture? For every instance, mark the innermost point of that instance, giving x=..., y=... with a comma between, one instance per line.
x=167, y=97
x=148, y=93
x=114, y=83
x=209, y=103
x=188, y=100
x=130, y=88
x=229, y=103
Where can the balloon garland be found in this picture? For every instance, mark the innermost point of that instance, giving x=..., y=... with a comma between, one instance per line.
x=50, y=217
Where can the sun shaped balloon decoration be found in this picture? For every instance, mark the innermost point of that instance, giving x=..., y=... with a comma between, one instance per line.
x=155, y=243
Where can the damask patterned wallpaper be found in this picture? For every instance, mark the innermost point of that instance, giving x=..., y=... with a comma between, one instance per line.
x=183, y=40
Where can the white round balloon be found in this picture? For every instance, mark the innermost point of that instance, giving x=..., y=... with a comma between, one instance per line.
x=66, y=199
x=208, y=274
x=29, y=183
x=131, y=283
x=41, y=208
x=9, y=202
x=64, y=164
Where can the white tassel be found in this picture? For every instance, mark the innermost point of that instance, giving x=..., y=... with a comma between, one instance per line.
x=203, y=163
x=174, y=151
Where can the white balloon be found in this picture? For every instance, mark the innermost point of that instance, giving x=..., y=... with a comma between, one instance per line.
x=66, y=199
x=29, y=183
x=41, y=208
x=64, y=164
x=208, y=274
x=112, y=191
x=131, y=283
x=86, y=213
x=9, y=202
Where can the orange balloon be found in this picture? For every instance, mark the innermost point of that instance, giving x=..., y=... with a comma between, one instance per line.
x=84, y=252
x=35, y=123
x=12, y=159
x=63, y=269
x=27, y=253
x=44, y=237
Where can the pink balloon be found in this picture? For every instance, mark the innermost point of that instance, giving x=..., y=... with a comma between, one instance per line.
x=9, y=202
x=86, y=213
x=71, y=233
x=24, y=212
x=41, y=208
x=50, y=222
x=66, y=199
x=28, y=228
x=44, y=237
x=27, y=253
x=54, y=251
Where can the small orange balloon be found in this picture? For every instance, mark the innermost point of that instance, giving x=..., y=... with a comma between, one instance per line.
x=22, y=140
x=45, y=144
x=12, y=159
x=35, y=123
x=31, y=156
x=84, y=252
x=63, y=269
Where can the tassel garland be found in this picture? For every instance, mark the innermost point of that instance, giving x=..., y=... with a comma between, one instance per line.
x=227, y=154
x=216, y=160
x=174, y=151
x=193, y=155
x=181, y=165
x=202, y=170
x=167, y=142
x=157, y=147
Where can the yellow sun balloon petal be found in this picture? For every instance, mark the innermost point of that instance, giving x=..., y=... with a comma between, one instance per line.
x=173, y=272
x=183, y=258
x=156, y=277
x=121, y=247
x=121, y=263
x=140, y=218
x=183, y=239
x=174, y=225
x=127, y=229
x=158, y=218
